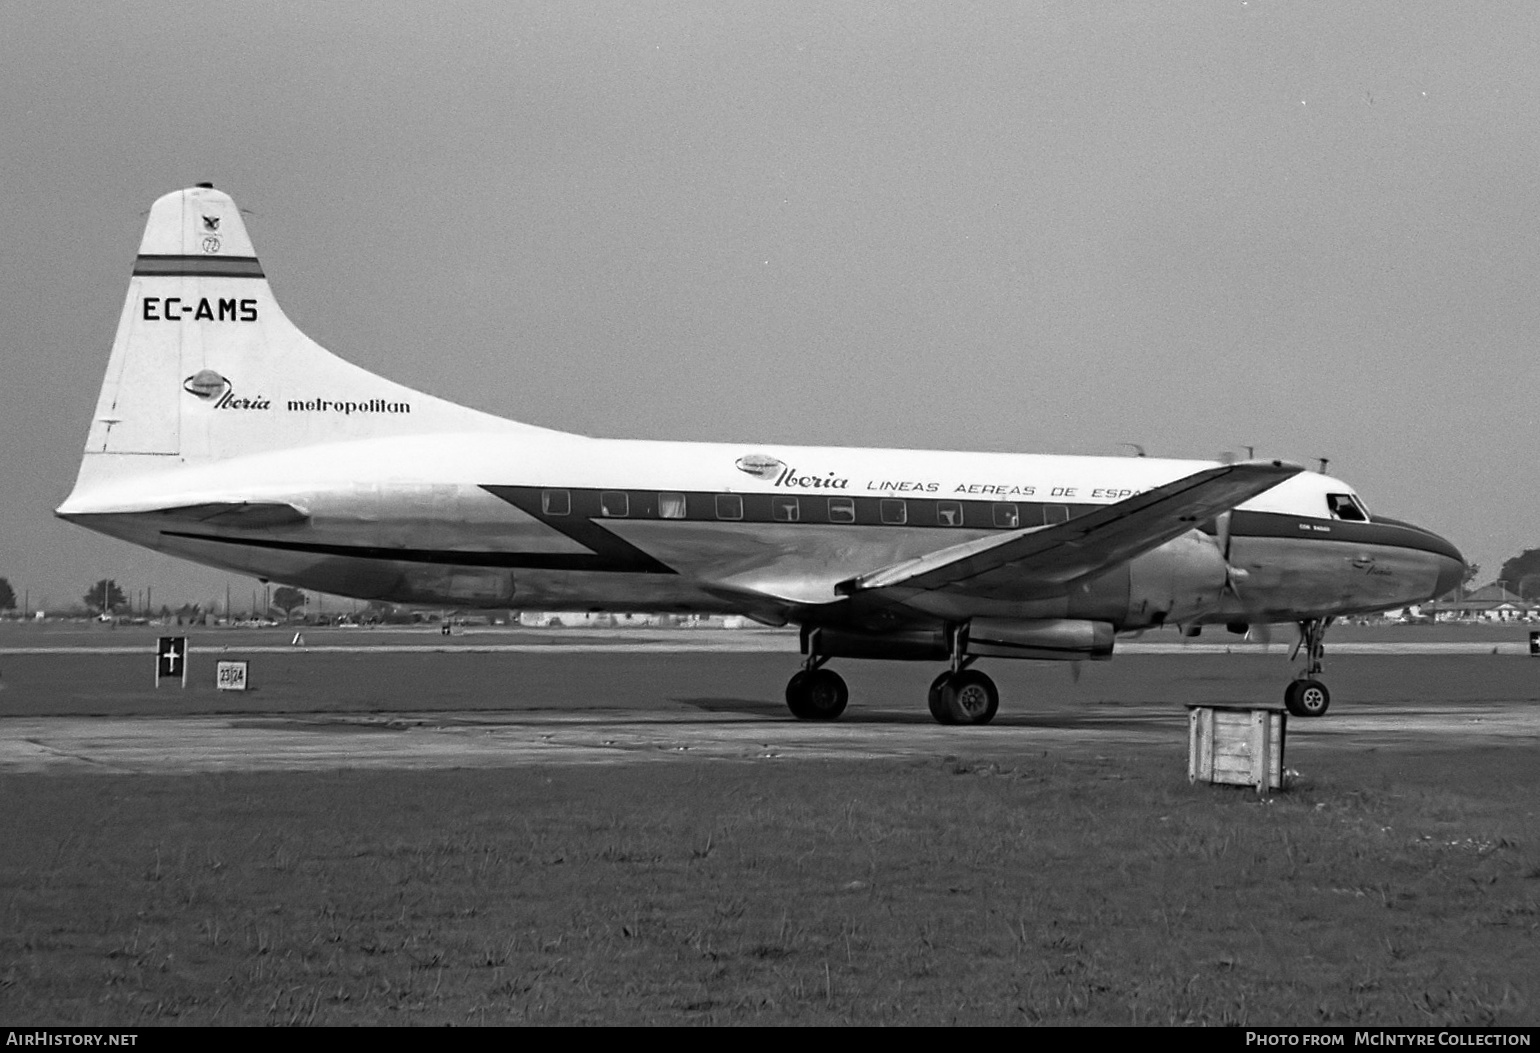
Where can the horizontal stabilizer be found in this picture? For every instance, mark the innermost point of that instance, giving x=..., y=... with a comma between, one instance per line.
x=241, y=515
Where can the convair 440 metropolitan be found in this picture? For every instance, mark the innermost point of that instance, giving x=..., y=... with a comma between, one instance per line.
x=226, y=436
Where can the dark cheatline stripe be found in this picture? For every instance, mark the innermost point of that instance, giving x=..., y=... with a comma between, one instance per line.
x=598, y=562
x=197, y=267
x=1380, y=531
x=610, y=551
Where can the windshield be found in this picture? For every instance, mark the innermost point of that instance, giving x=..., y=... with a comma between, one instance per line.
x=1348, y=507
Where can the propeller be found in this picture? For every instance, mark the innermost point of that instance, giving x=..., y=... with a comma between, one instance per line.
x=1257, y=626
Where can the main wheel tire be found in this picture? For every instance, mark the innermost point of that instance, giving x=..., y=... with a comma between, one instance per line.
x=797, y=695
x=1307, y=698
x=971, y=697
x=819, y=694
x=938, y=707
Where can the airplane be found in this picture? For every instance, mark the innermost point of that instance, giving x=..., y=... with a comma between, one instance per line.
x=224, y=435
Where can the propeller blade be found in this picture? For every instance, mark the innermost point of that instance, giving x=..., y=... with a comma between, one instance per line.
x=1257, y=626
x=1222, y=539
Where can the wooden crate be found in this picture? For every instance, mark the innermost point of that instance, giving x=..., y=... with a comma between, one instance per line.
x=1236, y=745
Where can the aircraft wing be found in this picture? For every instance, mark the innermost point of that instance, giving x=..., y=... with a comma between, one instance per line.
x=1047, y=560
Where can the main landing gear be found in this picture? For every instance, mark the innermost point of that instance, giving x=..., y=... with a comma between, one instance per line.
x=963, y=696
x=817, y=693
x=958, y=696
x=1307, y=696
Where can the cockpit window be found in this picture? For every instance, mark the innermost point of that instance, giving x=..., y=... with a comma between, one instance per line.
x=1346, y=506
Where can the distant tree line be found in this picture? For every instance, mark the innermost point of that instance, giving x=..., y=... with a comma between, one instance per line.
x=105, y=596
x=1522, y=574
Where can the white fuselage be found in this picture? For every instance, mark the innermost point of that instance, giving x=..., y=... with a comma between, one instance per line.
x=476, y=520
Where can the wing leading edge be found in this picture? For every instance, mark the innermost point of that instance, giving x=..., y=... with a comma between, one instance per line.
x=1048, y=560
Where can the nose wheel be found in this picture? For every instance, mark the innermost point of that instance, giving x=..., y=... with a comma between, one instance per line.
x=1307, y=696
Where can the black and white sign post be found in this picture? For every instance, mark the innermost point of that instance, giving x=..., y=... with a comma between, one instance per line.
x=171, y=659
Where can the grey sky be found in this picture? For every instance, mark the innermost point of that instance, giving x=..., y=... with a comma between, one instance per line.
x=1045, y=227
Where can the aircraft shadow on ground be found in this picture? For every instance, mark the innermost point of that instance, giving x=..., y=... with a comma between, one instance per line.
x=777, y=712
x=757, y=706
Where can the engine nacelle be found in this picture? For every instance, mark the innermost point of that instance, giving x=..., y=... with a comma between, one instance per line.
x=1177, y=582
x=903, y=645
x=1051, y=639
x=1044, y=639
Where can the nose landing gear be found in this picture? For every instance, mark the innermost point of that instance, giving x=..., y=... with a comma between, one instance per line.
x=1307, y=696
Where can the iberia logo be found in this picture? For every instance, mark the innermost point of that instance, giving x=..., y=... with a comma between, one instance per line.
x=206, y=384
x=760, y=466
x=211, y=387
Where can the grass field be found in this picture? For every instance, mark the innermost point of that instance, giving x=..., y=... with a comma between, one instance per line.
x=1383, y=888
x=1397, y=880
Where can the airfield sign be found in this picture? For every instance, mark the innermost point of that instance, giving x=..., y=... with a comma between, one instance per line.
x=171, y=658
x=230, y=676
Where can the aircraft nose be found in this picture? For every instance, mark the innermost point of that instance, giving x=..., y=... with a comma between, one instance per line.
x=1432, y=552
x=1449, y=563
x=1451, y=571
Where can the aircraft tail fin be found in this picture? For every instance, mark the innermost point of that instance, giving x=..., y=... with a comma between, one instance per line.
x=206, y=366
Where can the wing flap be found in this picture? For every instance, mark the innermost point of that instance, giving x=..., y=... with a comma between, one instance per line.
x=1048, y=559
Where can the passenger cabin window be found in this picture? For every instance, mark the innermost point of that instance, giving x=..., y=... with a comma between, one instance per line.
x=556, y=502
x=1346, y=506
x=615, y=504
x=949, y=513
x=842, y=510
x=729, y=506
x=671, y=506
x=1006, y=515
x=784, y=509
x=894, y=512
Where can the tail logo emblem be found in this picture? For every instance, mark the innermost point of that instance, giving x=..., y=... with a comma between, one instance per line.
x=206, y=384
x=211, y=224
